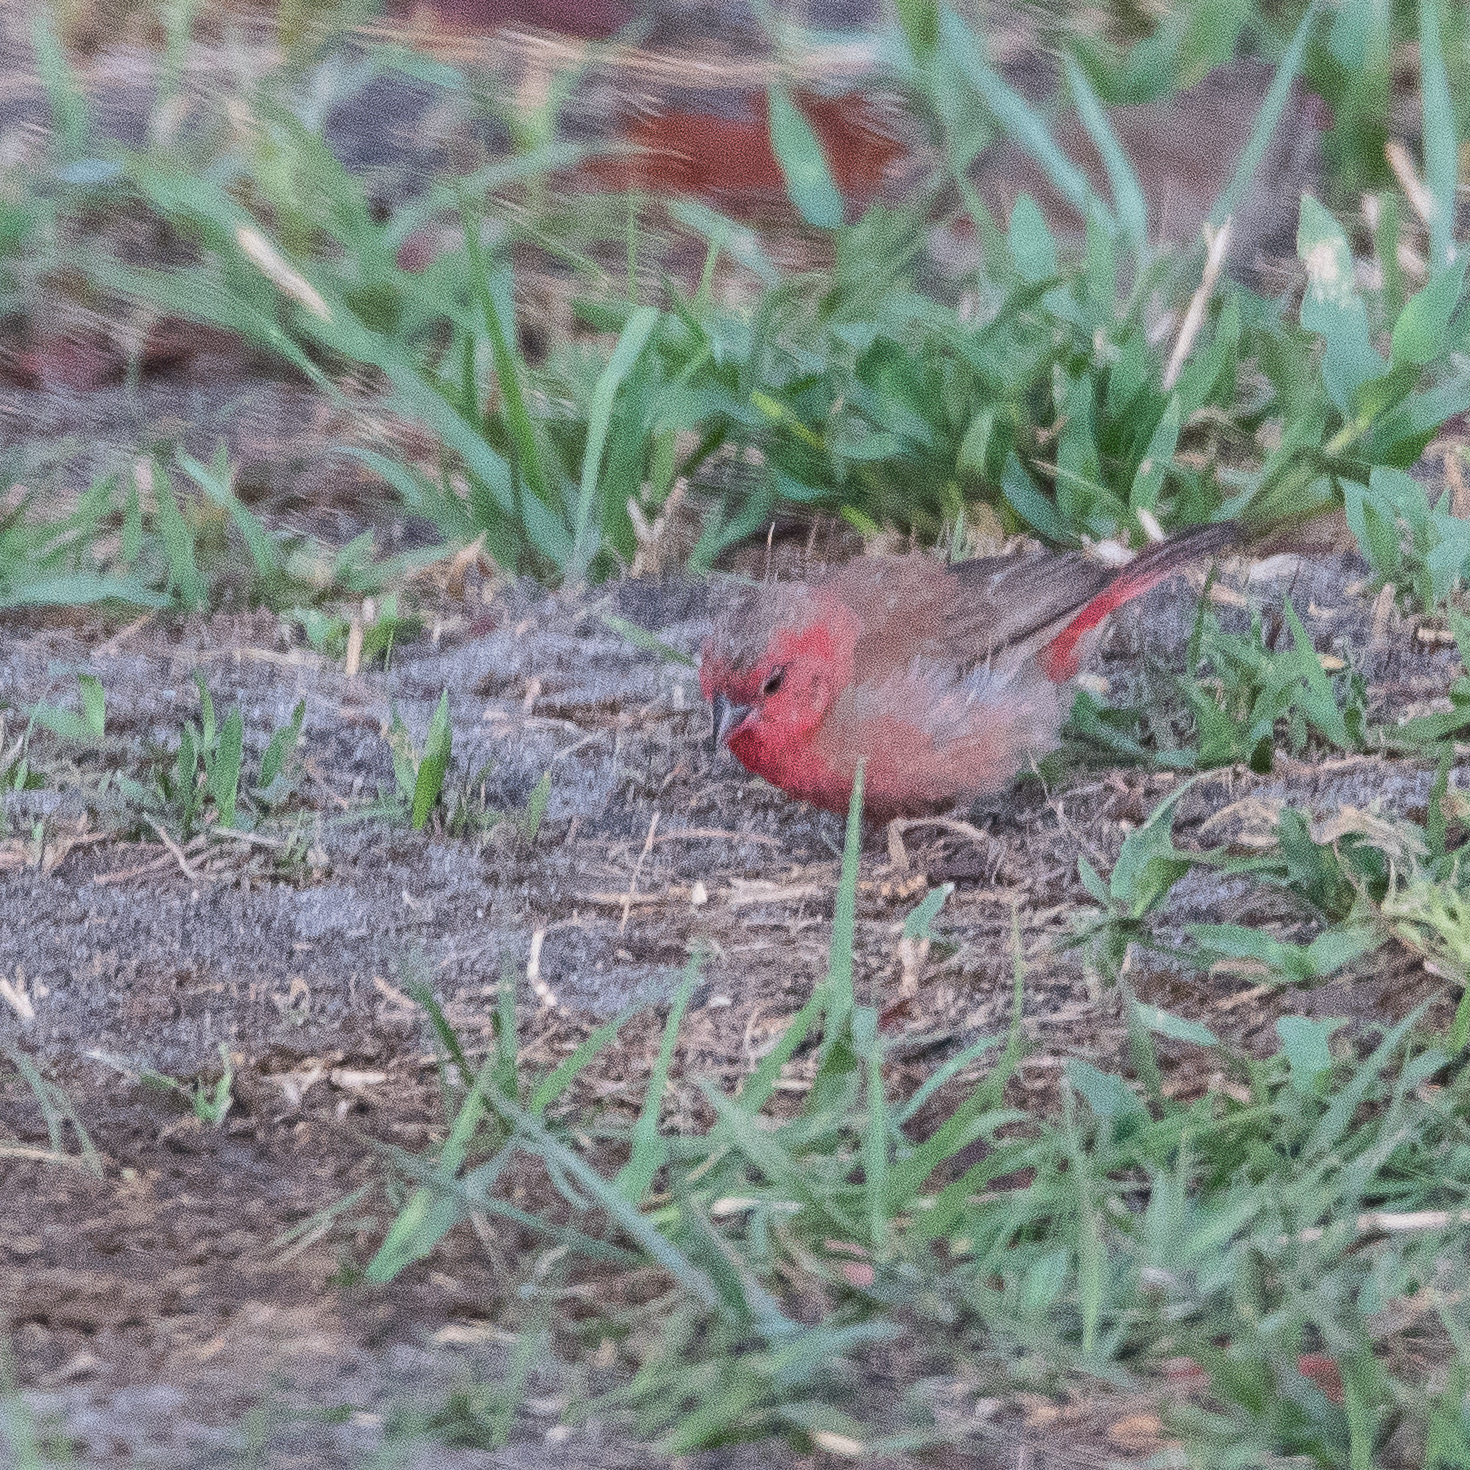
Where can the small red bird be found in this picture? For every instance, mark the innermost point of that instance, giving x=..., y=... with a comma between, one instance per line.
x=948, y=679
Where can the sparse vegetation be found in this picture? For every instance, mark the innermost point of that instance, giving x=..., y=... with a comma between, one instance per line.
x=860, y=1238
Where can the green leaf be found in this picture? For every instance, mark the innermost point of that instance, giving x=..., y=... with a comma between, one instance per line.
x=494, y=291
x=648, y=642
x=1032, y=506
x=1423, y=325
x=1032, y=248
x=178, y=546
x=94, y=704
x=920, y=22
x=838, y=986
x=1319, y=702
x=433, y=765
x=78, y=589
x=1305, y=1043
x=89, y=727
x=536, y=807
x=1268, y=119
x=1339, y=946
x=1109, y=1097
x=207, y=731
x=224, y=767
x=741, y=243
x=809, y=181
x=1093, y=882
x=919, y=923
x=215, y=482
x=1332, y=307
x=431, y=1212
x=1441, y=147
x=561, y=1077
x=282, y=742
x=1128, y=197
x=599, y=420
x=70, y=113
x=1021, y=122
x=1177, y=1028
x=1148, y=479
x=650, y=1151
x=1237, y=942
x=1148, y=864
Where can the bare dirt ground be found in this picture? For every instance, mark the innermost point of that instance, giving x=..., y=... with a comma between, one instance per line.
x=165, y=1313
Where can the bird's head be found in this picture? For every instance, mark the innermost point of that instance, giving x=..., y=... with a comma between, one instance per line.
x=772, y=667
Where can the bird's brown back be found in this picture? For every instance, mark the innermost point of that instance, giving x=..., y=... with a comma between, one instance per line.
x=997, y=610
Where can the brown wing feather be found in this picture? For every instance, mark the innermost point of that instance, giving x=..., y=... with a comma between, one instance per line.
x=1013, y=605
x=996, y=610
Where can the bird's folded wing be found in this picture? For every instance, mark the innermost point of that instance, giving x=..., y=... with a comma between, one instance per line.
x=1009, y=607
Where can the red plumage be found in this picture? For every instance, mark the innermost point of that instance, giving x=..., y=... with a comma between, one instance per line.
x=946, y=680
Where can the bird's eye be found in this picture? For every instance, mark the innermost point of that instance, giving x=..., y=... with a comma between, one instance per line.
x=773, y=683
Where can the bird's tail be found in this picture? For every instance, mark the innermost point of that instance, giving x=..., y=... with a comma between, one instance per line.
x=1061, y=658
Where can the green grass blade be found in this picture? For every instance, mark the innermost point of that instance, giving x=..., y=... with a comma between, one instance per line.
x=1022, y=122
x=448, y=1036
x=418, y=493
x=1268, y=119
x=215, y=482
x=650, y=1152
x=1441, y=149
x=1089, y=1243
x=284, y=740
x=630, y=347
x=739, y=1285
x=741, y=243
x=70, y=114
x=838, y=986
x=431, y=1212
x=224, y=769
x=498, y=308
x=765, y=1151
x=869, y=1047
x=433, y=764
x=1148, y=479
x=539, y=1141
x=648, y=642
x=943, y=1074
x=484, y=181
x=804, y=166
x=178, y=547
x=761, y=1083
x=79, y=589
x=556, y=1082
x=1128, y=200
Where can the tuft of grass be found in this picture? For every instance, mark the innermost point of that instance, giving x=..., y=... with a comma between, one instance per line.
x=60, y=1117
x=173, y=534
x=1296, y=1225
x=420, y=773
x=1057, y=402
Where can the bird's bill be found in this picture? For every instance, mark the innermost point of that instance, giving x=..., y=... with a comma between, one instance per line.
x=728, y=718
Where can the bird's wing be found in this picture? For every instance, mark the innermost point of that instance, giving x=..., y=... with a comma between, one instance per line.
x=1009, y=607
x=1021, y=606
x=993, y=612
x=996, y=612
